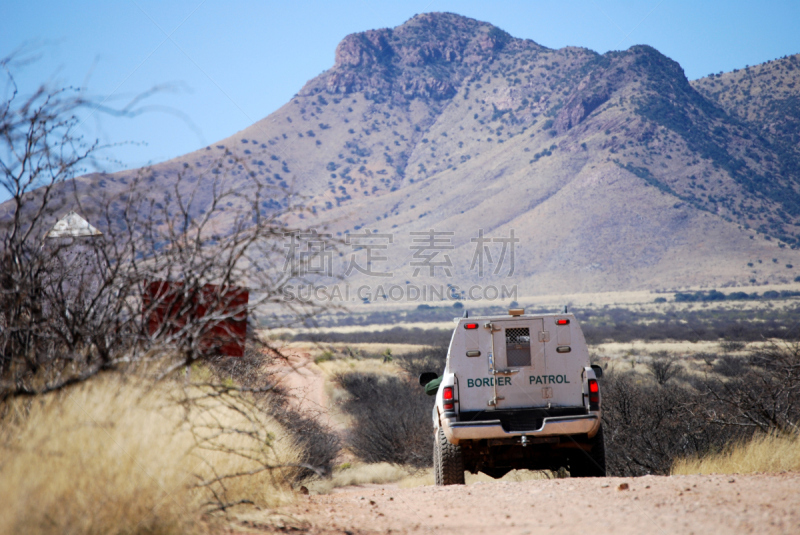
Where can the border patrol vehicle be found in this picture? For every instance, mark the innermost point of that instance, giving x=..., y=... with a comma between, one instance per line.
x=517, y=392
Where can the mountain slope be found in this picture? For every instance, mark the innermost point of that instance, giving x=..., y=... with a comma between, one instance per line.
x=613, y=171
x=765, y=98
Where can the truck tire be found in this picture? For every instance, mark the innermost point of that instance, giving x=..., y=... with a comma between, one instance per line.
x=590, y=463
x=437, y=476
x=448, y=464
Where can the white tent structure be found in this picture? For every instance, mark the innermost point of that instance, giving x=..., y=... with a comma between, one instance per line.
x=75, y=268
x=72, y=226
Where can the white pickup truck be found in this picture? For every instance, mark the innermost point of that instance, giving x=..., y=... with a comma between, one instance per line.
x=517, y=392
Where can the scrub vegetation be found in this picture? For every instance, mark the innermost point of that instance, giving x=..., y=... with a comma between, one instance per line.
x=390, y=414
x=674, y=408
x=120, y=455
x=115, y=414
x=684, y=321
x=659, y=408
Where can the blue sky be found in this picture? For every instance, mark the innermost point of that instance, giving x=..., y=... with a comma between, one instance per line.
x=233, y=63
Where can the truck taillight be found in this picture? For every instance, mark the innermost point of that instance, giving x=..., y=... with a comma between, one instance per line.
x=470, y=325
x=594, y=395
x=562, y=322
x=447, y=396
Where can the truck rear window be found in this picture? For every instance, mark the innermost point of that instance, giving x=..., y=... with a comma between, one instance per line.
x=518, y=346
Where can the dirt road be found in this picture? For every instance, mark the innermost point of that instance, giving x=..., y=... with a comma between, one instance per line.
x=653, y=505
x=302, y=381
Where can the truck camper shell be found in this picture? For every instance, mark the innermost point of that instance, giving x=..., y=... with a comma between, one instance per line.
x=518, y=391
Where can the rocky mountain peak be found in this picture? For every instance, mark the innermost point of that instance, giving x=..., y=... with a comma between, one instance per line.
x=364, y=49
x=428, y=56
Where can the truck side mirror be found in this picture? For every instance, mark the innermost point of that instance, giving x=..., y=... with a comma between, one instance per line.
x=598, y=371
x=427, y=377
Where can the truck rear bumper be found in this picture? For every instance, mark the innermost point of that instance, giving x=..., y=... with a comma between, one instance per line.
x=553, y=426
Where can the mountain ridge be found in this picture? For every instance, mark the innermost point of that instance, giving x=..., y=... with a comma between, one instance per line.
x=615, y=170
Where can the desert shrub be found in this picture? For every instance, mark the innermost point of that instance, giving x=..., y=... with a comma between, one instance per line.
x=765, y=396
x=248, y=370
x=116, y=455
x=429, y=359
x=732, y=325
x=648, y=426
x=362, y=474
x=663, y=368
x=315, y=444
x=730, y=366
x=390, y=418
x=598, y=325
x=318, y=445
x=729, y=346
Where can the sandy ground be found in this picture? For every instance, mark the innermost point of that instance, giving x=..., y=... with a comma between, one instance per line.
x=653, y=504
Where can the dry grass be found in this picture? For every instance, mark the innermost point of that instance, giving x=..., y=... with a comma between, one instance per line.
x=764, y=453
x=332, y=368
x=112, y=456
x=359, y=474
x=618, y=350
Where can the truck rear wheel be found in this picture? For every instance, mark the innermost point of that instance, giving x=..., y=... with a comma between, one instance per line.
x=590, y=463
x=437, y=476
x=448, y=463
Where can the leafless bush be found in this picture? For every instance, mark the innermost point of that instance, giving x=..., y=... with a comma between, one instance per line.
x=730, y=366
x=708, y=358
x=765, y=396
x=74, y=307
x=429, y=359
x=317, y=444
x=391, y=419
x=729, y=346
x=648, y=426
x=392, y=414
x=249, y=370
x=663, y=367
